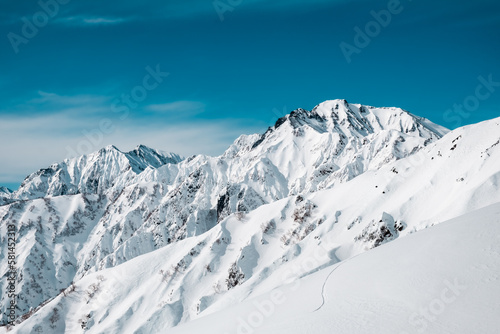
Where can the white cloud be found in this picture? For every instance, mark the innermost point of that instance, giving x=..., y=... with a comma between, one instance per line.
x=57, y=101
x=102, y=20
x=177, y=106
x=91, y=20
x=51, y=103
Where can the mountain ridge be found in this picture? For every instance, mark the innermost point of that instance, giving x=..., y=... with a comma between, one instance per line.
x=84, y=174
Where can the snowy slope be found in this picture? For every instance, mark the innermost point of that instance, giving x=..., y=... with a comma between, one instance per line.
x=442, y=280
x=249, y=254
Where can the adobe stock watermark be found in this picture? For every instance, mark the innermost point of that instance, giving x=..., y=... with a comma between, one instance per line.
x=31, y=26
x=471, y=103
x=372, y=29
x=223, y=6
x=122, y=106
x=450, y=293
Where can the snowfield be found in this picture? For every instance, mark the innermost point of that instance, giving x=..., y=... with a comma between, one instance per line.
x=280, y=234
x=445, y=279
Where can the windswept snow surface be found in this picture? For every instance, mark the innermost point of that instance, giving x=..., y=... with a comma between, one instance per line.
x=445, y=279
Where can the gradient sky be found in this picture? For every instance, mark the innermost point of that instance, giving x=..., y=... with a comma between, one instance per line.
x=63, y=86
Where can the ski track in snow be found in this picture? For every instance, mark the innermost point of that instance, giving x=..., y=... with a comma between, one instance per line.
x=323, y=299
x=323, y=288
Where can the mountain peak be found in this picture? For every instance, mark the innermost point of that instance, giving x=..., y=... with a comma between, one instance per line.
x=352, y=121
x=5, y=190
x=92, y=173
x=328, y=107
x=110, y=148
x=155, y=158
x=141, y=150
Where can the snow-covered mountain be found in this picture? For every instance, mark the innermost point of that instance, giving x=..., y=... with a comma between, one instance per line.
x=93, y=173
x=170, y=240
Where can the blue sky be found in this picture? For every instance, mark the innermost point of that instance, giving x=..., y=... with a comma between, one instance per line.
x=213, y=72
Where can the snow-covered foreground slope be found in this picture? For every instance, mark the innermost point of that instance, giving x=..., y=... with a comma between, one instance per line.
x=445, y=279
x=248, y=254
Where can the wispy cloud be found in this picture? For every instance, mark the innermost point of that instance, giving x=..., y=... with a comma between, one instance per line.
x=112, y=12
x=92, y=20
x=68, y=100
x=51, y=103
x=185, y=107
x=103, y=20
